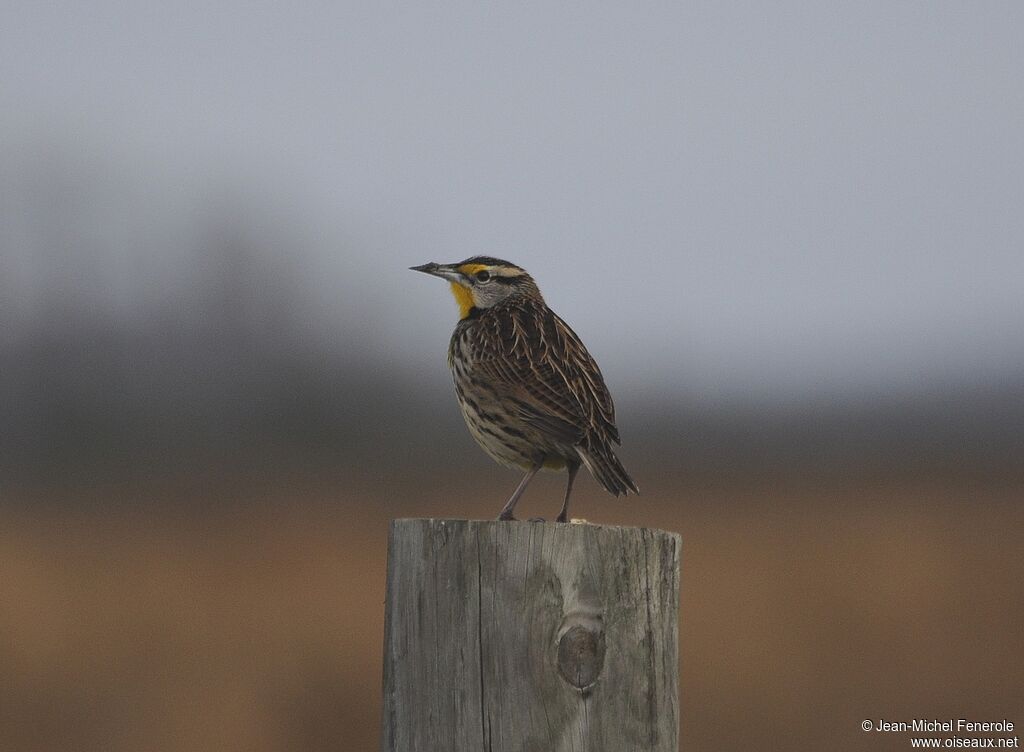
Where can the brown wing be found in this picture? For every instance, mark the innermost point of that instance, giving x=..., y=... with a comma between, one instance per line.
x=547, y=373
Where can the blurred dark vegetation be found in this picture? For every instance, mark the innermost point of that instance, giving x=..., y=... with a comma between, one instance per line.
x=195, y=497
x=228, y=368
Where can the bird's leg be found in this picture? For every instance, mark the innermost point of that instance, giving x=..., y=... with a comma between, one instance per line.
x=573, y=468
x=506, y=511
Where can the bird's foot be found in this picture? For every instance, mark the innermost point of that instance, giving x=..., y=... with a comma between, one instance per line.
x=506, y=517
x=536, y=519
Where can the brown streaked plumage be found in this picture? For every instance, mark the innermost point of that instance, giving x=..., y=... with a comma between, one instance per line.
x=531, y=394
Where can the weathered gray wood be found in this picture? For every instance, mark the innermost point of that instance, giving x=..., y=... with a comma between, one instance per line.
x=530, y=637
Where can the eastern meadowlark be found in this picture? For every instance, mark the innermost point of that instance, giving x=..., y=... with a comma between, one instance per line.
x=530, y=393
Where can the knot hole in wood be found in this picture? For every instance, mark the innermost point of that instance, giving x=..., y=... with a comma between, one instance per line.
x=581, y=650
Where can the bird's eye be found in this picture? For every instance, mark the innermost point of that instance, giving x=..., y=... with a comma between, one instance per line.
x=483, y=276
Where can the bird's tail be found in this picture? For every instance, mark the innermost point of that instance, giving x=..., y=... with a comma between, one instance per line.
x=607, y=469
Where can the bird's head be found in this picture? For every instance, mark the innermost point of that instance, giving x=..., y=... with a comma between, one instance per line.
x=482, y=282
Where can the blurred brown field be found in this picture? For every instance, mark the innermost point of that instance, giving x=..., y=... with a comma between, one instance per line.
x=231, y=614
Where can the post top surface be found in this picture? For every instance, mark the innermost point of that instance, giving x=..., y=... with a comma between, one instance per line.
x=547, y=526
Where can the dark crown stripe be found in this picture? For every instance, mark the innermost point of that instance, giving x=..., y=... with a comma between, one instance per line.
x=490, y=261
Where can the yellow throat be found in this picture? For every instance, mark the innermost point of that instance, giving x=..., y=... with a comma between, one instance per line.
x=463, y=297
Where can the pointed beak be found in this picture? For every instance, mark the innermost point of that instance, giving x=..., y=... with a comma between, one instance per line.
x=444, y=271
x=425, y=268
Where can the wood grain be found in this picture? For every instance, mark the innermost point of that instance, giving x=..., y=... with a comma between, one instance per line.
x=530, y=637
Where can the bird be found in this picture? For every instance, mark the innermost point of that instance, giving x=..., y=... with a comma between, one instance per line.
x=530, y=393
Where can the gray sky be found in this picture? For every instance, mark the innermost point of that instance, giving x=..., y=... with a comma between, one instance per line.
x=724, y=198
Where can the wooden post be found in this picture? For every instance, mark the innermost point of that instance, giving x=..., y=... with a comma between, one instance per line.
x=530, y=637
